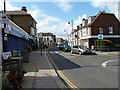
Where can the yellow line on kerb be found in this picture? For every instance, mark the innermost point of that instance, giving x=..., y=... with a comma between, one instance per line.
x=62, y=75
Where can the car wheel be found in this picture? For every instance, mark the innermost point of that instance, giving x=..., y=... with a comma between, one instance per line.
x=80, y=52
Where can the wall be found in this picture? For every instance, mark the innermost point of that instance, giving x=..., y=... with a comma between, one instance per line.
x=105, y=21
x=22, y=21
x=1, y=46
x=50, y=39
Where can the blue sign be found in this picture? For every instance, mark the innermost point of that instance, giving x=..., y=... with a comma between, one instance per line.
x=100, y=36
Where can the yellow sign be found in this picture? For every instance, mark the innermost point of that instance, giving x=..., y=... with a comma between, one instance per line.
x=5, y=38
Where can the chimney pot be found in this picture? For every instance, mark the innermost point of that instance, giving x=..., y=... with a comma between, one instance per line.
x=24, y=9
x=77, y=27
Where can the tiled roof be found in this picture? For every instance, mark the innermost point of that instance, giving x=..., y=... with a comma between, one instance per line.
x=96, y=16
x=17, y=13
x=47, y=34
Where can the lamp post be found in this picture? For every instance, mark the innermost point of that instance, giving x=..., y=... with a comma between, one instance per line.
x=71, y=22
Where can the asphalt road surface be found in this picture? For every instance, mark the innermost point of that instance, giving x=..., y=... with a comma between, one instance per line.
x=87, y=71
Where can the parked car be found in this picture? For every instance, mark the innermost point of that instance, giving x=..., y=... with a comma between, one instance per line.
x=80, y=49
x=60, y=46
x=66, y=48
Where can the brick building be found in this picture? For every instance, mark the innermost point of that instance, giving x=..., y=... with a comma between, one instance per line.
x=26, y=22
x=90, y=29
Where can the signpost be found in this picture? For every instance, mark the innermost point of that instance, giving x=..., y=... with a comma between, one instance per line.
x=100, y=36
x=40, y=36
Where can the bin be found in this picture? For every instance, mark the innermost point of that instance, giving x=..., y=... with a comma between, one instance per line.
x=25, y=55
x=16, y=53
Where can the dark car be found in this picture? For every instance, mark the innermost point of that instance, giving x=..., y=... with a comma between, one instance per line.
x=60, y=46
x=80, y=49
x=66, y=48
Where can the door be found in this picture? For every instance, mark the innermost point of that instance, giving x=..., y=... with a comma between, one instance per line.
x=76, y=49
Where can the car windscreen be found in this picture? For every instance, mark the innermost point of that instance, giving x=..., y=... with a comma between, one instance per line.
x=83, y=47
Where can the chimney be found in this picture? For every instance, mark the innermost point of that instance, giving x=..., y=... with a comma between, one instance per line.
x=80, y=25
x=24, y=9
x=77, y=27
x=83, y=19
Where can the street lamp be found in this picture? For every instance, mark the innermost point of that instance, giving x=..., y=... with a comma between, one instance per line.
x=71, y=22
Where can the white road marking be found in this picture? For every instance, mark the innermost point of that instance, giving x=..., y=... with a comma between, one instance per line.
x=56, y=52
x=105, y=63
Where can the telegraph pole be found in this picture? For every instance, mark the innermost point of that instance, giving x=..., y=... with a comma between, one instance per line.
x=4, y=31
x=4, y=7
x=4, y=14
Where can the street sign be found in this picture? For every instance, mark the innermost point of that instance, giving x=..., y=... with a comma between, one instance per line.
x=40, y=35
x=100, y=36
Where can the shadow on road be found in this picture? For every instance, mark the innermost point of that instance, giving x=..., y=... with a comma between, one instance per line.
x=63, y=63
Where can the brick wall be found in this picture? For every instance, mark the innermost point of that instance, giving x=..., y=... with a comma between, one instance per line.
x=105, y=21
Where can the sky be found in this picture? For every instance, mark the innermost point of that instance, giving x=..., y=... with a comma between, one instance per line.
x=53, y=15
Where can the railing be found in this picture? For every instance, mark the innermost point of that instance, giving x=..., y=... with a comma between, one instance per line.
x=107, y=48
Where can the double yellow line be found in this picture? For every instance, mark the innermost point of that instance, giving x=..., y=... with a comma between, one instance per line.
x=59, y=72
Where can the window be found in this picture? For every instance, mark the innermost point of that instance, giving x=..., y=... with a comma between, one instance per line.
x=85, y=31
x=100, y=30
x=75, y=46
x=110, y=29
x=44, y=39
x=47, y=39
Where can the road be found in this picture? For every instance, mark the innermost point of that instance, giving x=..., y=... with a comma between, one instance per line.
x=87, y=71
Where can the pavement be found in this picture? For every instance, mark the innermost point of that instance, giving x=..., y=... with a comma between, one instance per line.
x=40, y=72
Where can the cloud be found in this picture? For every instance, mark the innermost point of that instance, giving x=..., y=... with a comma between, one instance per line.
x=65, y=6
x=111, y=5
x=78, y=21
x=8, y=6
x=48, y=23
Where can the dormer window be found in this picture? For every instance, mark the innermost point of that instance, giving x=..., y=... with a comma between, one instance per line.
x=83, y=22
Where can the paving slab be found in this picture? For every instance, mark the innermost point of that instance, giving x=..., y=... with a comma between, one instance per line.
x=40, y=72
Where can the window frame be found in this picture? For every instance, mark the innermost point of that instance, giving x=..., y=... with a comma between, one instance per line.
x=111, y=30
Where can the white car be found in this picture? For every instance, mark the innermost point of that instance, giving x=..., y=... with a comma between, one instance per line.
x=80, y=49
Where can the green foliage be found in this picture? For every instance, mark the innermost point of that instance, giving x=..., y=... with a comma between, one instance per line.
x=104, y=43
x=117, y=45
x=14, y=69
x=5, y=83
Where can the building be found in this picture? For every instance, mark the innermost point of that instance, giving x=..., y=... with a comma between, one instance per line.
x=59, y=40
x=90, y=28
x=1, y=43
x=26, y=22
x=13, y=37
x=47, y=38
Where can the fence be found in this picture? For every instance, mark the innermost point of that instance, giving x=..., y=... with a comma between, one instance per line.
x=107, y=48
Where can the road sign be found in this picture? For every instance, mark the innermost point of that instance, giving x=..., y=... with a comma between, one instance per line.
x=40, y=35
x=100, y=36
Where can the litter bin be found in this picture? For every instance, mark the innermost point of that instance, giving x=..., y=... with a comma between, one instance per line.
x=25, y=55
x=16, y=53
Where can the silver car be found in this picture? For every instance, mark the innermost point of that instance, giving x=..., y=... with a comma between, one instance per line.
x=80, y=49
